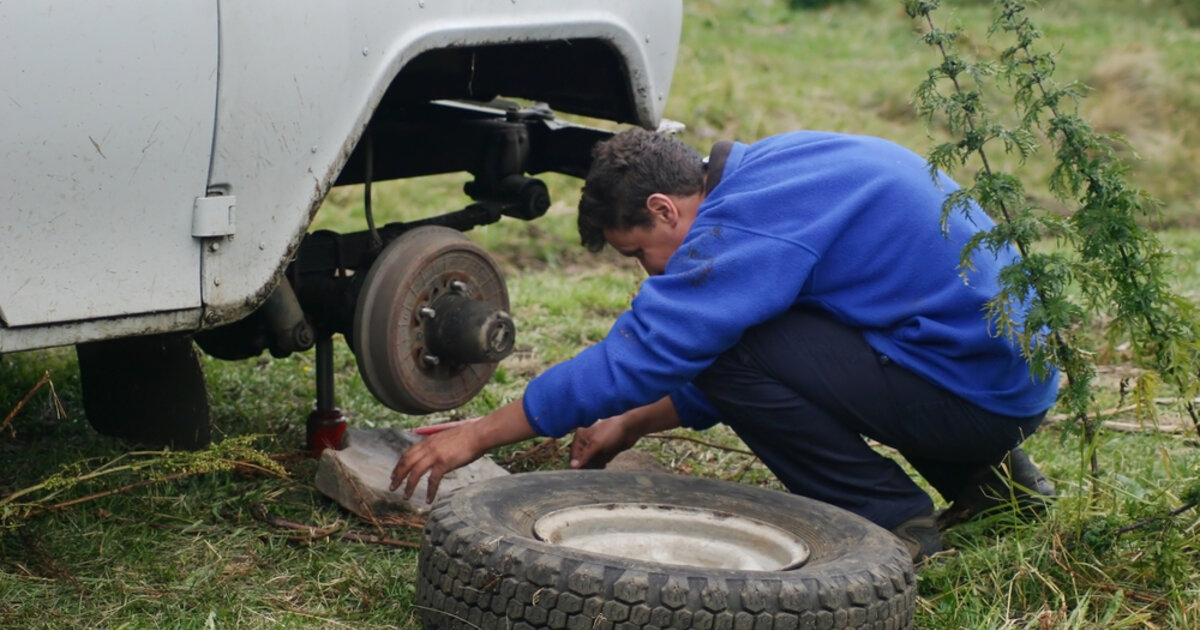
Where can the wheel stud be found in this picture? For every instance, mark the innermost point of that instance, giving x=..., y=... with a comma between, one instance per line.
x=428, y=313
x=458, y=286
x=431, y=360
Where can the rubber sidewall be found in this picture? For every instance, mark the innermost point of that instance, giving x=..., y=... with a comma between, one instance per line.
x=481, y=566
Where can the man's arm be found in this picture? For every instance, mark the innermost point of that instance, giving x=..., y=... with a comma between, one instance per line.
x=596, y=445
x=442, y=452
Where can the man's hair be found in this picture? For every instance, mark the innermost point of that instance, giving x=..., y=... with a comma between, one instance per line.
x=626, y=169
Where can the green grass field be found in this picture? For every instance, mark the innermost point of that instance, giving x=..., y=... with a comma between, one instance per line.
x=172, y=550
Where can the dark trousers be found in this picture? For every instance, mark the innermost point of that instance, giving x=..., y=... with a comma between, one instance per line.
x=803, y=390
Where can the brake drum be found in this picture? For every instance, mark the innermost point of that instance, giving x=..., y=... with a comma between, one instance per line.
x=431, y=321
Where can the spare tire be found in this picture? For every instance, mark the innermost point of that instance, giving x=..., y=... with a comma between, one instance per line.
x=483, y=566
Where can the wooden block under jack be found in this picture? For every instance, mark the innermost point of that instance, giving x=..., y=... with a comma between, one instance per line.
x=358, y=475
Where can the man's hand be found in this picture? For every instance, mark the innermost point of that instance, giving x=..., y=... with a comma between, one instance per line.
x=437, y=455
x=450, y=448
x=595, y=446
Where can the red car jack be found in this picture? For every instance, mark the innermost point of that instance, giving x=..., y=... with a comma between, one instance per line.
x=326, y=425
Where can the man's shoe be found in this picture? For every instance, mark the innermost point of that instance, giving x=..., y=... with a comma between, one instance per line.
x=920, y=536
x=1016, y=482
x=1026, y=475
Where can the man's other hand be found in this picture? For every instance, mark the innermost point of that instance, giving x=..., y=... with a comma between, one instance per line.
x=595, y=446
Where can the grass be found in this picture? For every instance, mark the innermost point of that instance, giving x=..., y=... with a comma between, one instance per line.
x=192, y=552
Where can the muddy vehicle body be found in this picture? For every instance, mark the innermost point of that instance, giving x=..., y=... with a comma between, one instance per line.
x=163, y=164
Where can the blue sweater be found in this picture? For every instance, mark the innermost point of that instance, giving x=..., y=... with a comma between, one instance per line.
x=845, y=224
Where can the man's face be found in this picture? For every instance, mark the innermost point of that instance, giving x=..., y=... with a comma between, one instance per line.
x=652, y=245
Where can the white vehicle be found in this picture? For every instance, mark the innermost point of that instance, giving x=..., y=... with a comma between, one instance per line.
x=162, y=163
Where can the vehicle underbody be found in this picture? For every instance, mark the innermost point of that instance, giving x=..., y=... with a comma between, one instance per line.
x=361, y=284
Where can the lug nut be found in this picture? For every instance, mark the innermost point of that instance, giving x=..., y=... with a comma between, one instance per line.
x=458, y=286
x=431, y=360
x=428, y=313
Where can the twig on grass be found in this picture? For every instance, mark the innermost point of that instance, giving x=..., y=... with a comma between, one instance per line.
x=686, y=438
x=468, y=623
x=43, y=509
x=1059, y=549
x=542, y=451
x=411, y=520
x=108, y=493
x=156, y=467
x=58, y=408
x=1124, y=427
x=743, y=469
x=1155, y=519
x=372, y=539
x=295, y=610
x=312, y=533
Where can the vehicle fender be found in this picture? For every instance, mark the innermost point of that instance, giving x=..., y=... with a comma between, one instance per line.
x=283, y=136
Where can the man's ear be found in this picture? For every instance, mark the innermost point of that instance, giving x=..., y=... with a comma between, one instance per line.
x=663, y=208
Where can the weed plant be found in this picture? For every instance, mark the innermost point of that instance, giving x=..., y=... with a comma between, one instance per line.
x=1106, y=263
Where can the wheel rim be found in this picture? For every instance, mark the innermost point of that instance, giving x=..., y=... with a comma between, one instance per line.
x=675, y=535
x=389, y=338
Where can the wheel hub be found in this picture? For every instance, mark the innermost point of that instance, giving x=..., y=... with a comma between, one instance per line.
x=463, y=330
x=674, y=535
